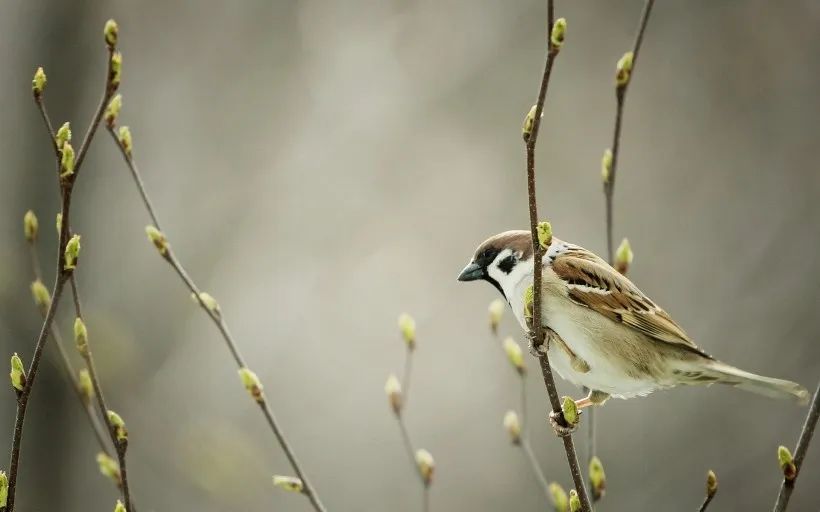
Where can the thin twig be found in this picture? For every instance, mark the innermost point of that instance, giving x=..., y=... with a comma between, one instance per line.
x=706, y=501
x=787, y=487
x=405, y=435
x=525, y=440
x=222, y=326
x=120, y=446
x=537, y=332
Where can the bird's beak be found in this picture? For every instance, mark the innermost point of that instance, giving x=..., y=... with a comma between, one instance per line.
x=472, y=272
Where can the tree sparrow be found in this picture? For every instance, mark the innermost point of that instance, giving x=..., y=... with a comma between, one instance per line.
x=610, y=337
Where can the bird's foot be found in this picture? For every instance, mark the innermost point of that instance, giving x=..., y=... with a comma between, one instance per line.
x=537, y=351
x=560, y=424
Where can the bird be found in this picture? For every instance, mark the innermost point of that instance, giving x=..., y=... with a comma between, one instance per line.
x=609, y=336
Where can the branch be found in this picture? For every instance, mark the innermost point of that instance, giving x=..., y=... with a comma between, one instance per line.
x=211, y=308
x=537, y=331
x=787, y=487
x=525, y=439
x=711, y=490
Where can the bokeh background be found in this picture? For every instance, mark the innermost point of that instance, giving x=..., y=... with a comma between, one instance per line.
x=323, y=166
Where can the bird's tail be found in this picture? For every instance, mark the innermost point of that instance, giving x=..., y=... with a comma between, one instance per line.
x=766, y=386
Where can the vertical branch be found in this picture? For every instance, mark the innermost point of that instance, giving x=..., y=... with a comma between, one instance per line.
x=208, y=305
x=531, y=129
x=525, y=440
x=787, y=487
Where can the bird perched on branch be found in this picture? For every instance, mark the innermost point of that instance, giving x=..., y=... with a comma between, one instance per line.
x=609, y=336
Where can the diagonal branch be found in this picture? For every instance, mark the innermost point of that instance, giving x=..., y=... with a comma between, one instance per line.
x=537, y=332
x=787, y=487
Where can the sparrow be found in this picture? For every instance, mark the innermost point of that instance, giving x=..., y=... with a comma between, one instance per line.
x=608, y=335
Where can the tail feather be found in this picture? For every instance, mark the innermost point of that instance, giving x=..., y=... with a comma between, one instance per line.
x=766, y=386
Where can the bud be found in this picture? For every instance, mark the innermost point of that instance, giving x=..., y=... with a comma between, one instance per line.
x=72, y=252
x=63, y=135
x=784, y=456
x=67, y=160
x=513, y=426
x=85, y=386
x=515, y=355
x=529, y=297
x=496, y=310
x=623, y=70
x=208, y=301
x=59, y=223
x=426, y=465
x=559, y=497
x=81, y=336
x=112, y=111
x=574, y=501
x=407, y=326
x=288, y=483
x=109, y=467
x=158, y=239
x=711, y=484
x=569, y=410
x=38, y=83
x=393, y=390
x=116, y=423
x=124, y=138
x=529, y=122
x=252, y=384
x=4, y=490
x=116, y=70
x=559, y=29
x=30, y=226
x=119, y=507
x=623, y=256
x=111, y=31
x=18, y=373
x=606, y=166
x=544, y=230
x=40, y=294
x=597, y=478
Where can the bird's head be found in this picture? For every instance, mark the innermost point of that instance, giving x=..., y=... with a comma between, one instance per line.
x=499, y=259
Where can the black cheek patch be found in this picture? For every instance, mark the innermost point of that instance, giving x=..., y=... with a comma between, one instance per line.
x=506, y=265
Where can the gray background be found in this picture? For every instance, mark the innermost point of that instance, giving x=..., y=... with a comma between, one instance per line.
x=322, y=166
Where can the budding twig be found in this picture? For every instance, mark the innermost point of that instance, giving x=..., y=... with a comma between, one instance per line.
x=537, y=330
x=711, y=490
x=124, y=143
x=787, y=487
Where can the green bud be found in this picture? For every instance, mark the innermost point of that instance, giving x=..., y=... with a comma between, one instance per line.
x=392, y=388
x=116, y=70
x=407, y=327
x=208, y=301
x=59, y=223
x=63, y=135
x=80, y=336
x=529, y=122
x=711, y=483
x=544, y=231
x=606, y=166
x=116, y=422
x=559, y=29
x=109, y=467
x=30, y=226
x=252, y=384
x=288, y=483
x=67, y=160
x=570, y=410
x=597, y=478
x=623, y=70
x=72, y=252
x=38, y=83
x=40, y=293
x=426, y=465
x=514, y=355
x=111, y=31
x=496, y=311
x=18, y=373
x=574, y=501
x=124, y=138
x=559, y=497
x=158, y=239
x=85, y=385
x=784, y=457
x=4, y=490
x=513, y=426
x=529, y=297
x=623, y=256
x=112, y=111
x=119, y=507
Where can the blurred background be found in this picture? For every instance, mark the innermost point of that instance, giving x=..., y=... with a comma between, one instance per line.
x=321, y=167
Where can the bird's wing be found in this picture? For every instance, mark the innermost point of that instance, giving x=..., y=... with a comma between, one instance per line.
x=593, y=283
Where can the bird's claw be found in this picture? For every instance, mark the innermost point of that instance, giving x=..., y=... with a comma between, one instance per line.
x=560, y=425
x=537, y=351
